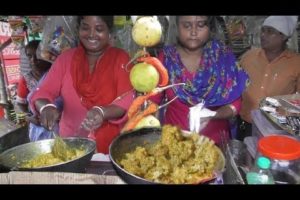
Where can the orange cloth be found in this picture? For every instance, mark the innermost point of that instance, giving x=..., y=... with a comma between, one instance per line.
x=279, y=77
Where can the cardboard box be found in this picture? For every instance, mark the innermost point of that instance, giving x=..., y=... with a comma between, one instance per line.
x=17, y=177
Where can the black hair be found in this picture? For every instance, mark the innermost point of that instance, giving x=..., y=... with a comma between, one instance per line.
x=33, y=44
x=211, y=23
x=109, y=20
x=42, y=64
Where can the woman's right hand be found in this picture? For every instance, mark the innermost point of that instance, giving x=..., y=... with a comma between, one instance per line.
x=33, y=119
x=93, y=120
x=49, y=117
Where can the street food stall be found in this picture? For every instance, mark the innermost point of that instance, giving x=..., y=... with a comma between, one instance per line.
x=234, y=158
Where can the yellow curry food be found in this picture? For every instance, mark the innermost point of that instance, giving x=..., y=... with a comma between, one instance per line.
x=174, y=159
x=60, y=153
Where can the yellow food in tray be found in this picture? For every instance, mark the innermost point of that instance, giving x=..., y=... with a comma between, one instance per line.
x=174, y=159
x=49, y=159
x=60, y=153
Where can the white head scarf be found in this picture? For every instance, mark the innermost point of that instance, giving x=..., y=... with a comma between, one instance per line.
x=284, y=24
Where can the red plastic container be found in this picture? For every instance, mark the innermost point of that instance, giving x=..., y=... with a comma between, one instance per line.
x=284, y=153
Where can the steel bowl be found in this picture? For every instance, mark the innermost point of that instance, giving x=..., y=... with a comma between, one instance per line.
x=143, y=137
x=13, y=157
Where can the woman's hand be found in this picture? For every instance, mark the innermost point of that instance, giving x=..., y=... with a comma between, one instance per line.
x=49, y=117
x=94, y=119
x=33, y=119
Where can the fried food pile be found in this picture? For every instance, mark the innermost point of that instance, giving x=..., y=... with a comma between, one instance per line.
x=174, y=159
x=60, y=153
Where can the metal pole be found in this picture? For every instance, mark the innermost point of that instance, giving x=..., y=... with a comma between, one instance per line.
x=3, y=93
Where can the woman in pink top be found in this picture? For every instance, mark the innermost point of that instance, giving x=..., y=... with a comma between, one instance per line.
x=210, y=72
x=88, y=78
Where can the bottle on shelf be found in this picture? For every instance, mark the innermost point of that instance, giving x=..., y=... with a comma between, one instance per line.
x=260, y=173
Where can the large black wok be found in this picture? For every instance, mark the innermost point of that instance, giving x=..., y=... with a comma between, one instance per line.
x=12, y=158
x=128, y=142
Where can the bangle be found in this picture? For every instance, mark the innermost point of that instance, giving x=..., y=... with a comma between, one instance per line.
x=100, y=108
x=234, y=111
x=47, y=105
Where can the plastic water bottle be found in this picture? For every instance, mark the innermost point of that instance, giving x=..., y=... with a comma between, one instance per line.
x=260, y=173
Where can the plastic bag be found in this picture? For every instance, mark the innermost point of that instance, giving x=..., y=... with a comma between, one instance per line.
x=199, y=117
x=122, y=36
x=59, y=34
x=171, y=31
x=36, y=24
x=236, y=27
x=24, y=62
x=17, y=26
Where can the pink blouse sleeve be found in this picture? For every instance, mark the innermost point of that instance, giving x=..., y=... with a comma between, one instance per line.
x=124, y=87
x=124, y=101
x=122, y=72
x=237, y=104
x=22, y=91
x=51, y=85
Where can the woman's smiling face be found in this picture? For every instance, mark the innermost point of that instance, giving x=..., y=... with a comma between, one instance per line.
x=93, y=34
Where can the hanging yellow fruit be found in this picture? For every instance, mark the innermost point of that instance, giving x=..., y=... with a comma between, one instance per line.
x=147, y=31
x=144, y=77
x=148, y=122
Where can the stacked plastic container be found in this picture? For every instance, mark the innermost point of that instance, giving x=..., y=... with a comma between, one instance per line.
x=284, y=154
